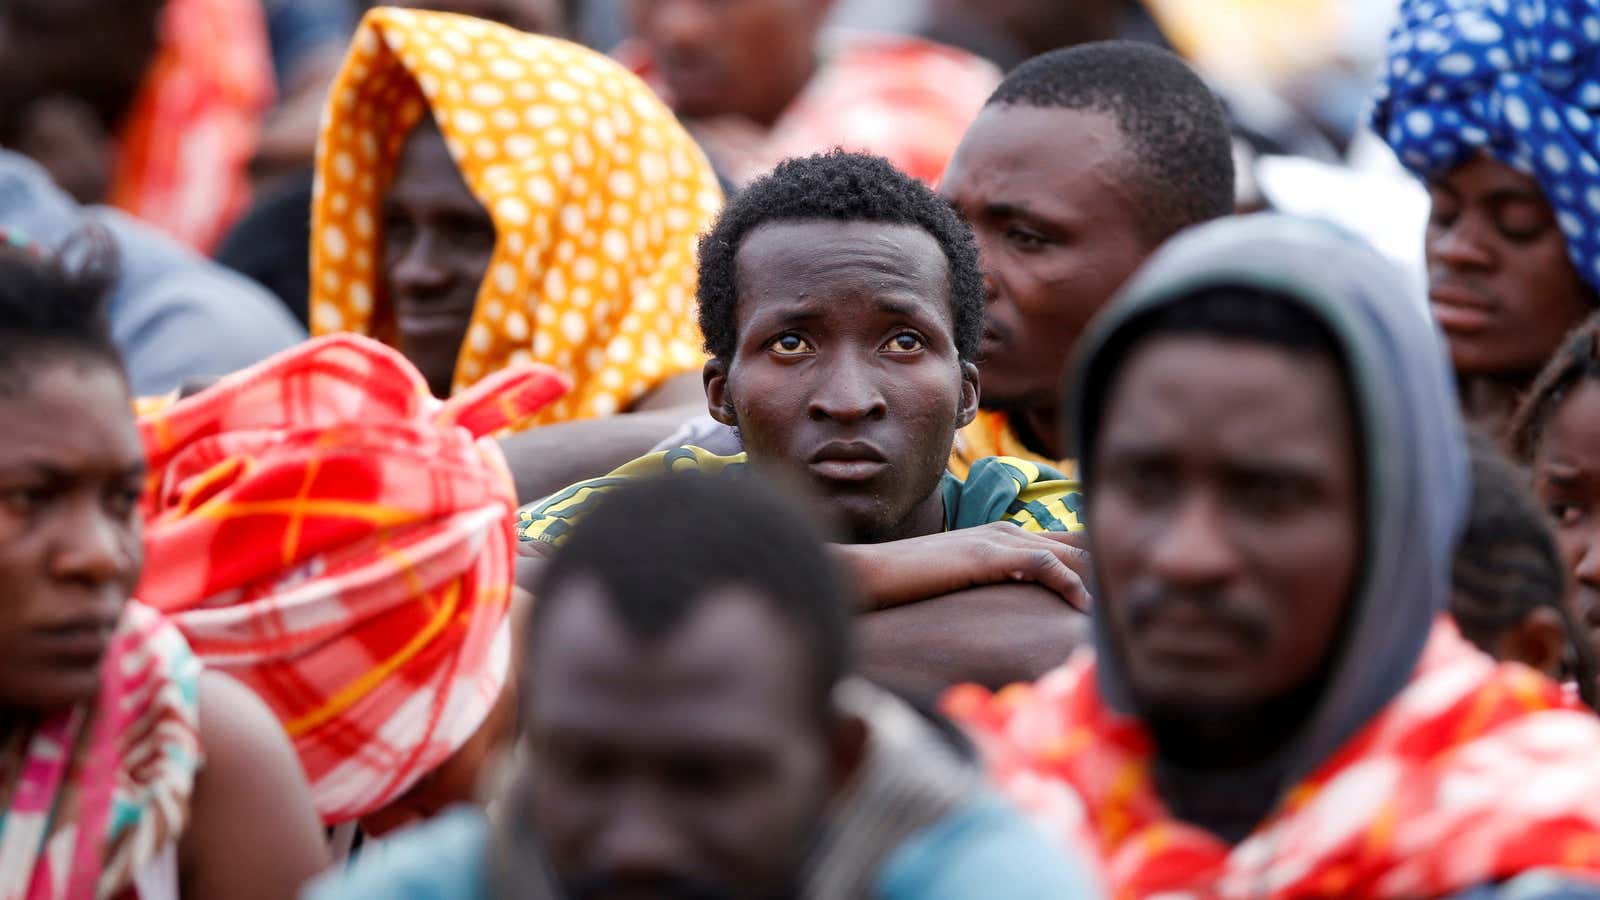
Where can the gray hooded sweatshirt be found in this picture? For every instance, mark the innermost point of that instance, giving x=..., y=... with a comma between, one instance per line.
x=175, y=315
x=1417, y=487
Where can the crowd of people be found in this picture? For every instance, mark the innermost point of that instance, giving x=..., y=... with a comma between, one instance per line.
x=442, y=460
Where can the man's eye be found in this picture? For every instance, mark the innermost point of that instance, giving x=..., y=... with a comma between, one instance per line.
x=1566, y=513
x=1026, y=239
x=904, y=342
x=790, y=345
x=22, y=501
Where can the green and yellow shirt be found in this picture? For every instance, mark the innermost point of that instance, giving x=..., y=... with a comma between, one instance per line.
x=997, y=489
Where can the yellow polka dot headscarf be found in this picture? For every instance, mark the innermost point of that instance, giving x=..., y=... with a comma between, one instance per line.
x=597, y=195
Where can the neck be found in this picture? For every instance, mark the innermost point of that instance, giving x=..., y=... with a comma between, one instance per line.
x=1224, y=769
x=803, y=75
x=1038, y=429
x=1487, y=402
x=924, y=519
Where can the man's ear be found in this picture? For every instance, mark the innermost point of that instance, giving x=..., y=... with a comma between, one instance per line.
x=1539, y=641
x=847, y=748
x=969, y=395
x=718, y=403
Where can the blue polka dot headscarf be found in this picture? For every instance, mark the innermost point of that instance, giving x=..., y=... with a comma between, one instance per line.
x=1518, y=79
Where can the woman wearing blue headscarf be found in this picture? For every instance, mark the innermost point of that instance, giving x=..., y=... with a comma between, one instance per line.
x=1495, y=104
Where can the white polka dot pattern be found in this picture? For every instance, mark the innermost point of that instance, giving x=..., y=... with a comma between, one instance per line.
x=1519, y=81
x=565, y=148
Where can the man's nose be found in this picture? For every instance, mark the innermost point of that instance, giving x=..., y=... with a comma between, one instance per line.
x=640, y=844
x=420, y=269
x=1193, y=551
x=848, y=392
x=91, y=547
x=680, y=25
x=1462, y=245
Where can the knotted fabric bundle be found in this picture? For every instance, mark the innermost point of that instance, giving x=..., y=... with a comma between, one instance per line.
x=322, y=529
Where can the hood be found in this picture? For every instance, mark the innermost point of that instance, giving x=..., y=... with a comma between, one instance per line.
x=597, y=194
x=1416, y=479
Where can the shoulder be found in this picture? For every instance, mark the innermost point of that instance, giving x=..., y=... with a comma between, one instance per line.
x=160, y=275
x=982, y=849
x=1030, y=494
x=547, y=521
x=439, y=860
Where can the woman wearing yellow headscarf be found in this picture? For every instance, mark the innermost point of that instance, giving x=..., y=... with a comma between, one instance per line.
x=486, y=197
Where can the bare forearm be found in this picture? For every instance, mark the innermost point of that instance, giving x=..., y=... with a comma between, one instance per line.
x=992, y=636
x=547, y=459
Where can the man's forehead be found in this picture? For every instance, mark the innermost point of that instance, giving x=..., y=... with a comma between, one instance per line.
x=1050, y=160
x=795, y=260
x=730, y=645
x=1273, y=397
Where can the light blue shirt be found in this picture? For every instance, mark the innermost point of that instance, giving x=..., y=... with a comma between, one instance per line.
x=982, y=851
x=175, y=315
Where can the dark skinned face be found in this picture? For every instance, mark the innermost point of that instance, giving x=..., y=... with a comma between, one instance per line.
x=96, y=51
x=437, y=243
x=845, y=377
x=1040, y=25
x=1058, y=232
x=747, y=58
x=71, y=473
x=1502, y=286
x=693, y=765
x=1225, y=520
x=1566, y=479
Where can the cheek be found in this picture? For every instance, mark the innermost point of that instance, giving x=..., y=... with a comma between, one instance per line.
x=472, y=263
x=756, y=832
x=1120, y=539
x=1570, y=542
x=566, y=816
x=1307, y=568
x=767, y=400
x=1541, y=284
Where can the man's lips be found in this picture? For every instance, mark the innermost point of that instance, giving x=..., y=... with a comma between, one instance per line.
x=429, y=317
x=847, y=461
x=82, y=640
x=693, y=77
x=1459, y=309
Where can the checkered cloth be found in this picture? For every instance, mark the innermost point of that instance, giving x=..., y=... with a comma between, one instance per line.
x=325, y=531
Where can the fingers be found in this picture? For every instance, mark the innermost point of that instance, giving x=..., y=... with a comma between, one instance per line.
x=1046, y=567
x=1078, y=539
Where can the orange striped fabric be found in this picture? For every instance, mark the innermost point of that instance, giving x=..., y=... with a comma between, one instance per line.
x=325, y=531
x=1476, y=772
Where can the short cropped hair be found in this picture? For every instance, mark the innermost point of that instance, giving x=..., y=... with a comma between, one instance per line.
x=659, y=547
x=840, y=187
x=1174, y=125
x=54, y=305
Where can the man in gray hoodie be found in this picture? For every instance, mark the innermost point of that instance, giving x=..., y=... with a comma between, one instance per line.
x=1276, y=703
x=174, y=315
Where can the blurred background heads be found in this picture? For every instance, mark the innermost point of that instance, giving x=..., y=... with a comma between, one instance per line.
x=747, y=59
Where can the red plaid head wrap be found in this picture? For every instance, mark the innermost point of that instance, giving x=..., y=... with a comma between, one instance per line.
x=322, y=529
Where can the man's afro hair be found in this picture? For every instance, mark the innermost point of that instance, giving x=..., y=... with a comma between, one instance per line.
x=841, y=187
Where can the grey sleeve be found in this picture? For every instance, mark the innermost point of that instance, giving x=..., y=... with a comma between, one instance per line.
x=196, y=325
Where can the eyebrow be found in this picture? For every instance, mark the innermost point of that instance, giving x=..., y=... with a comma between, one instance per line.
x=1568, y=478
x=51, y=472
x=1519, y=195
